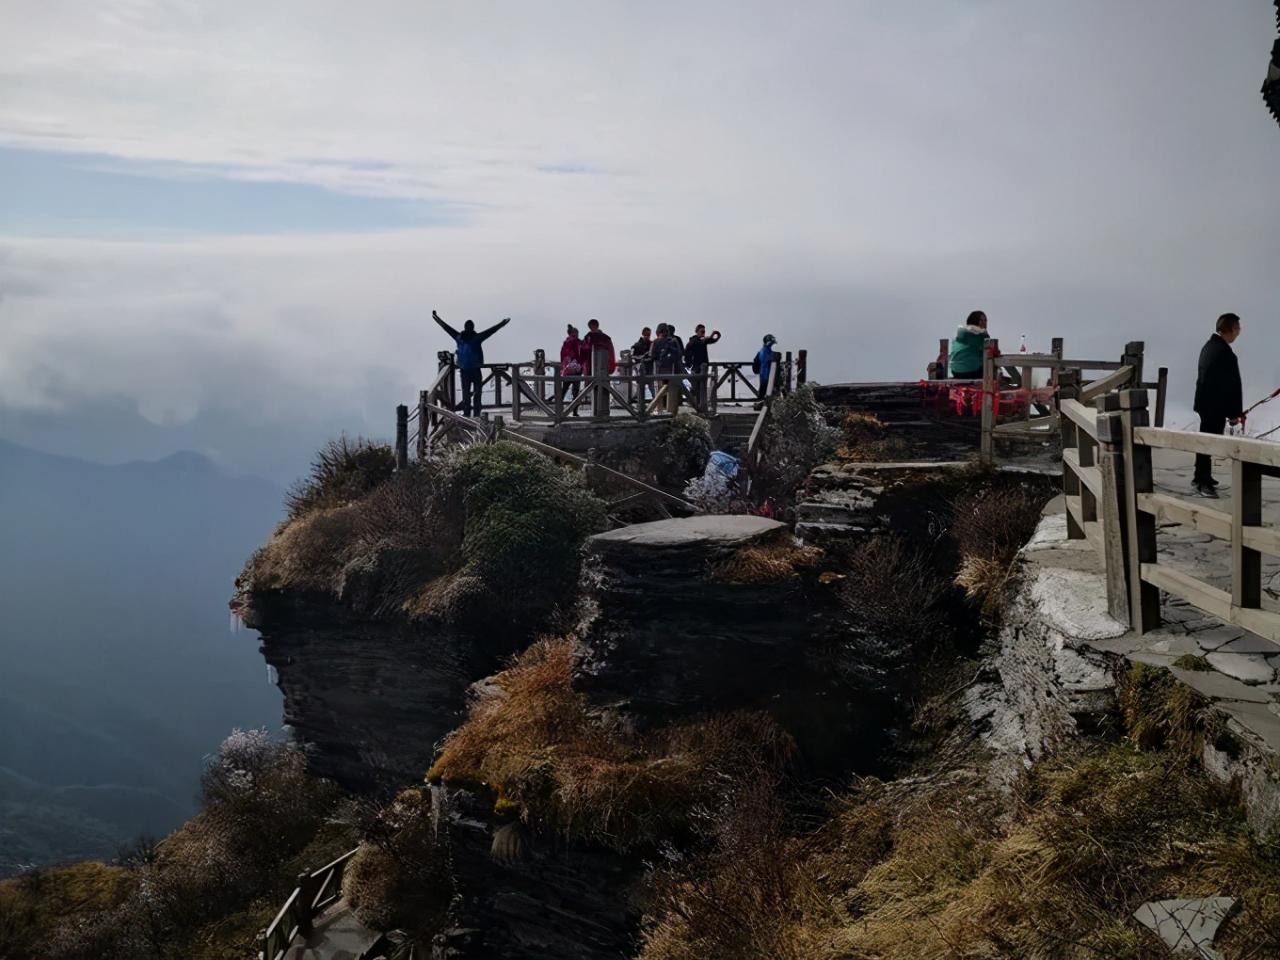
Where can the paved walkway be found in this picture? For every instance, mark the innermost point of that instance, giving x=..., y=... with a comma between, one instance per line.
x=337, y=935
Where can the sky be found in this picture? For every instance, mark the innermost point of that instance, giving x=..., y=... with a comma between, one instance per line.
x=224, y=226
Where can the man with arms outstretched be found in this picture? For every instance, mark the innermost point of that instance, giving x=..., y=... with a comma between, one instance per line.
x=470, y=358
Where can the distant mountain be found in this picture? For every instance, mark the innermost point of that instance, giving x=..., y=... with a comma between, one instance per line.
x=118, y=670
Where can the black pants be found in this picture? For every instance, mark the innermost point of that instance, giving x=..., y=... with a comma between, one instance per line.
x=471, y=388
x=966, y=375
x=1204, y=462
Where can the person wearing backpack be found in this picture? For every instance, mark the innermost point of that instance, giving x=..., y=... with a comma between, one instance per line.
x=763, y=362
x=667, y=358
x=470, y=359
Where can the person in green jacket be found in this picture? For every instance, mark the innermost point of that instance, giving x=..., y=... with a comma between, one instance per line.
x=967, y=347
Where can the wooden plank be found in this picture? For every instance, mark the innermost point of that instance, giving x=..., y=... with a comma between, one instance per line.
x=1086, y=418
x=1090, y=476
x=1090, y=530
x=1183, y=585
x=1263, y=452
x=1212, y=601
x=1246, y=514
x=1140, y=526
x=1162, y=389
x=1110, y=497
x=986, y=452
x=1199, y=517
x=1113, y=381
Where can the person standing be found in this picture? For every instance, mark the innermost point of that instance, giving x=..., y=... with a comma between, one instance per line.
x=598, y=339
x=968, y=347
x=571, y=363
x=642, y=360
x=470, y=356
x=763, y=363
x=695, y=356
x=1219, y=395
x=667, y=360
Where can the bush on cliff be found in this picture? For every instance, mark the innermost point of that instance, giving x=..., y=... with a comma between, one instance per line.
x=218, y=879
x=488, y=537
x=989, y=527
x=796, y=439
x=399, y=878
x=538, y=744
x=343, y=471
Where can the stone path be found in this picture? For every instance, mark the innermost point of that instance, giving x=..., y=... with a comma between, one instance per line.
x=337, y=935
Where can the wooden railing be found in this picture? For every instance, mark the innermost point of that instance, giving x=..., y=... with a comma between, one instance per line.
x=1109, y=488
x=1040, y=410
x=314, y=892
x=755, y=444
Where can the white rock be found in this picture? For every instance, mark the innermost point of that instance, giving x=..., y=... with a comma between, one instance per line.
x=1187, y=926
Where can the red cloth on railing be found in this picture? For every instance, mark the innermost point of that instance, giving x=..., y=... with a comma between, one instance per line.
x=967, y=397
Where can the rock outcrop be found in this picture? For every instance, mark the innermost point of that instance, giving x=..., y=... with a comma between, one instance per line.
x=676, y=633
x=368, y=697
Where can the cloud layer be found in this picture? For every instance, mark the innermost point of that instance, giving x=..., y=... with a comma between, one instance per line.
x=851, y=176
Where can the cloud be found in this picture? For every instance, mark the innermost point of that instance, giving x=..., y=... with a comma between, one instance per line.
x=853, y=177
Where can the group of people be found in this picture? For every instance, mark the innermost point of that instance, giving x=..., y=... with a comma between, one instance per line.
x=1219, y=396
x=660, y=354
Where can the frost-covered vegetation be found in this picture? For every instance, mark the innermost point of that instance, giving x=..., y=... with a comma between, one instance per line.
x=202, y=892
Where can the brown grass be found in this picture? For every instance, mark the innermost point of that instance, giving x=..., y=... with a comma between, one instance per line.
x=865, y=439
x=770, y=563
x=989, y=527
x=944, y=869
x=537, y=743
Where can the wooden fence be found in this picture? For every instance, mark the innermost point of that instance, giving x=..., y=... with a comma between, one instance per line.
x=314, y=892
x=1039, y=409
x=1108, y=485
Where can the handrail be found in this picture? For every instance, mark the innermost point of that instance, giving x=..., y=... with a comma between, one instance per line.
x=1261, y=452
x=757, y=431
x=302, y=906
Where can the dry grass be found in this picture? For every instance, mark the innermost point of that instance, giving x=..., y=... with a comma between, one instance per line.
x=946, y=869
x=989, y=527
x=865, y=439
x=399, y=878
x=1162, y=713
x=344, y=470
x=537, y=743
x=896, y=591
x=34, y=904
x=766, y=564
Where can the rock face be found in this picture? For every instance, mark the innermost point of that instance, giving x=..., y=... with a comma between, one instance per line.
x=672, y=639
x=529, y=895
x=370, y=697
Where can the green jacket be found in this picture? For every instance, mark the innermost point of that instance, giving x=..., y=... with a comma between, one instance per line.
x=967, y=347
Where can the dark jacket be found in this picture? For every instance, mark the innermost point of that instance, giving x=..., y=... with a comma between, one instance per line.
x=666, y=355
x=1218, y=389
x=470, y=351
x=640, y=353
x=695, y=351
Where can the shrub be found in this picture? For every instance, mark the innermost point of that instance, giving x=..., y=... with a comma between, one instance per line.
x=768, y=563
x=897, y=592
x=535, y=742
x=399, y=878
x=796, y=439
x=682, y=451
x=342, y=471
x=525, y=521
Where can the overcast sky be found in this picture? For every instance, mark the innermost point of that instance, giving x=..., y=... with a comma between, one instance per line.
x=244, y=212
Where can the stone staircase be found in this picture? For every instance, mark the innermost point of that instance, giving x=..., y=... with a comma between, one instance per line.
x=735, y=431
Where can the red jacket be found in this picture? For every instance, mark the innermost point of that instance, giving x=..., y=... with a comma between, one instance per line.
x=571, y=352
x=597, y=338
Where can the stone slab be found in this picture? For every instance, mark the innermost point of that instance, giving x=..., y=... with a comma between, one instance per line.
x=1245, y=667
x=1074, y=602
x=682, y=531
x=1187, y=926
x=1218, y=686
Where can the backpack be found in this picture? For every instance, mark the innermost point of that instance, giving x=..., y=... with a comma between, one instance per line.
x=755, y=363
x=666, y=353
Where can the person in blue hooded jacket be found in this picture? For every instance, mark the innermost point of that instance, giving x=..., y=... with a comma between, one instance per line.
x=764, y=359
x=470, y=358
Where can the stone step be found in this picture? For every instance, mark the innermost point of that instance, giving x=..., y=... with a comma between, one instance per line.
x=819, y=530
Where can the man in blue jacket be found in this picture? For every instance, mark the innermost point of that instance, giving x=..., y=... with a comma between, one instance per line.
x=1219, y=395
x=470, y=359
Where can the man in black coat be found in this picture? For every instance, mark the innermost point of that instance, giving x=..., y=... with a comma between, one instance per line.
x=1219, y=395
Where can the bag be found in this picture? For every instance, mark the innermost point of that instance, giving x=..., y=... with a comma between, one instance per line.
x=572, y=369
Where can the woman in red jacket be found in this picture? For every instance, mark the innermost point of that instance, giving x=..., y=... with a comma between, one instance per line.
x=571, y=363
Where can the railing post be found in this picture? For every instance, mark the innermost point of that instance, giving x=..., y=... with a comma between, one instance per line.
x=674, y=388
x=303, y=904
x=557, y=399
x=426, y=424
x=1111, y=470
x=625, y=368
x=599, y=373
x=497, y=382
x=986, y=453
x=786, y=383
x=938, y=369
x=402, y=436
x=1133, y=358
x=517, y=400
x=802, y=367
x=1070, y=479
x=540, y=369
x=1246, y=511
x=1088, y=448
x=1162, y=387
x=708, y=391
x=1144, y=598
